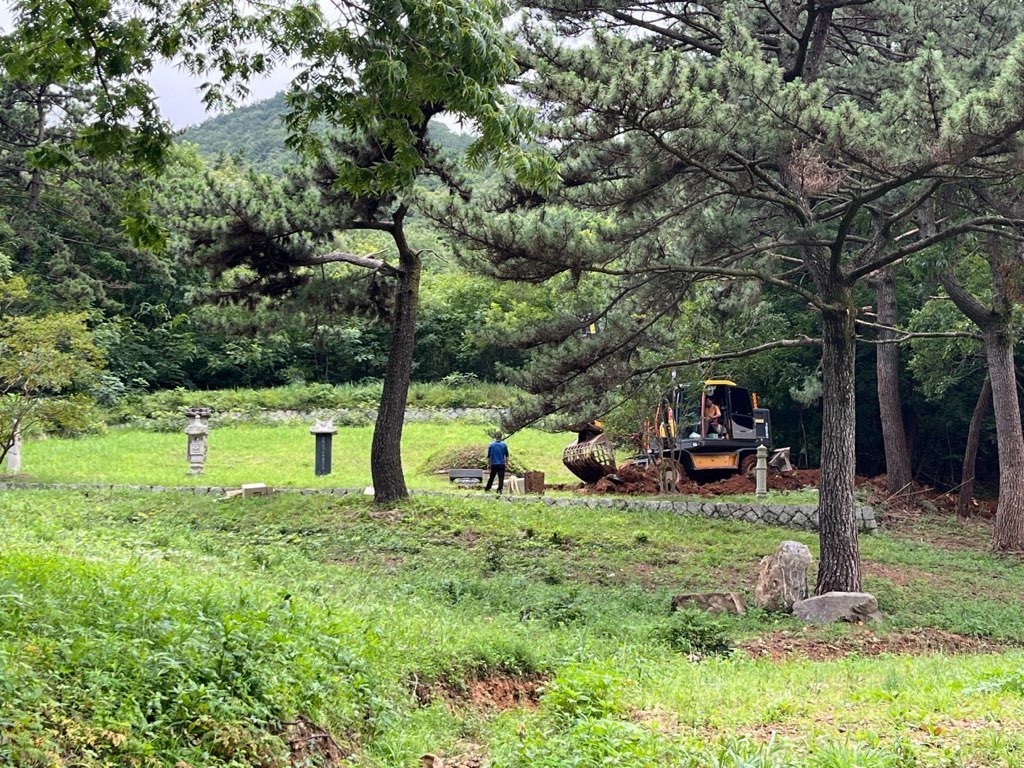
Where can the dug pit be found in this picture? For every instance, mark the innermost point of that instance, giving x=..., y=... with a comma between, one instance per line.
x=496, y=692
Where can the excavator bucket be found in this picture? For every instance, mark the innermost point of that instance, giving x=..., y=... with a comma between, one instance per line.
x=780, y=461
x=591, y=456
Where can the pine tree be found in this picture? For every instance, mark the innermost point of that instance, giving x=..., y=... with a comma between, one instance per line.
x=723, y=142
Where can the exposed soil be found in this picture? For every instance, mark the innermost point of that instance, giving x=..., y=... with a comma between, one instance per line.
x=472, y=756
x=635, y=480
x=312, y=745
x=782, y=644
x=923, y=499
x=497, y=692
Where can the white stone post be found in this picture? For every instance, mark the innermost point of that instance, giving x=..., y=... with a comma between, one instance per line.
x=761, y=471
x=14, y=455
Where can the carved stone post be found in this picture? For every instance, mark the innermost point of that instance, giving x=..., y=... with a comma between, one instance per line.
x=761, y=471
x=197, y=429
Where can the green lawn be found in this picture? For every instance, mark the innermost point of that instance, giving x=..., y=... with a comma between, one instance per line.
x=142, y=629
x=282, y=456
x=278, y=456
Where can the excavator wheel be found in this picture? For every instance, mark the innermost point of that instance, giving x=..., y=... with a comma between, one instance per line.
x=671, y=475
x=748, y=464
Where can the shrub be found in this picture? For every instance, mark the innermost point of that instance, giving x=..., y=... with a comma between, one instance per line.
x=694, y=631
x=156, y=409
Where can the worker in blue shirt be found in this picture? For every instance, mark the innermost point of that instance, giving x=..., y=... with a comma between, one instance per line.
x=497, y=458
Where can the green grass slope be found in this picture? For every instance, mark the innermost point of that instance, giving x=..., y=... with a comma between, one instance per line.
x=161, y=630
x=277, y=455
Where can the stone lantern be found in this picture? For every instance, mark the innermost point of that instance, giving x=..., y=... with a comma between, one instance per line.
x=197, y=429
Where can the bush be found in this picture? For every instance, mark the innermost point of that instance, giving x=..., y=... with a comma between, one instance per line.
x=693, y=631
x=157, y=410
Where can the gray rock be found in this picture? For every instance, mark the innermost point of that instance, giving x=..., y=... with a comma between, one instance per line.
x=856, y=607
x=713, y=602
x=782, y=577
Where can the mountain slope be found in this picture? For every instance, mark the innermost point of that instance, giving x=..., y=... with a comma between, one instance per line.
x=256, y=134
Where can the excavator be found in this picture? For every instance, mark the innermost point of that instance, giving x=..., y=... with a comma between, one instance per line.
x=693, y=435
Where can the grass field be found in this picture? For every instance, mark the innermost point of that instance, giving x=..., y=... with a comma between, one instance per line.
x=141, y=629
x=278, y=456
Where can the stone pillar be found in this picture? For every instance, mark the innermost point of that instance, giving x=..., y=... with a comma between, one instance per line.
x=761, y=471
x=324, y=432
x=197, y=429
x=14, y=455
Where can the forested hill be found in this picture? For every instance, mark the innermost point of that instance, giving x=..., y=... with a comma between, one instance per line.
x=256, y=132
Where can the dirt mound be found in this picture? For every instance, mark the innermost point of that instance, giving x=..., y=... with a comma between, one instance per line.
x=497, y=692
x=311, y=744
x=783, y=644
x=635, y=480
x=629, y=479
x=463, y=457
x=739, y=484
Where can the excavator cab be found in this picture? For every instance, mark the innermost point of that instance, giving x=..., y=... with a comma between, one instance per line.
x=714, y=426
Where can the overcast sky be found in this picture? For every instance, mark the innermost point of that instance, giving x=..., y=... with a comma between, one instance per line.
x=178, y=93
x=179, y=97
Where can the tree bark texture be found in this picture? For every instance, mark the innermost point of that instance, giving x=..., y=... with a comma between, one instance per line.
x=839, y=568
x=386, y=448
x=996, y=327
x=899, y=478
x=963, y=502
x=1009, y=530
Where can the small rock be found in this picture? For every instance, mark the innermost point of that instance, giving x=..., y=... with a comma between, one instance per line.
x=854, y=607
x=782, y=578
x=713, y=602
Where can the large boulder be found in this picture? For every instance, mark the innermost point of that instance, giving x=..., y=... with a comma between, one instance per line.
x=782, y=578
x=856, y=607
x=713, y=602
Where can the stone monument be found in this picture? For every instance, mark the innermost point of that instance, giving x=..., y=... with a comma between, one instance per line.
x=197, y=429
x=323, y=433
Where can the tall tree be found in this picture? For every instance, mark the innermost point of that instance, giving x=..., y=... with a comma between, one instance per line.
x=994, y=319
x=899, y=478
x=375, y=72
x=358, y=110
x=965, y=494
x=724, y=141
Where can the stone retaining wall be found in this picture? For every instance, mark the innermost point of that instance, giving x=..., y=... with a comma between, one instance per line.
x=346, y=416
x=789, y=515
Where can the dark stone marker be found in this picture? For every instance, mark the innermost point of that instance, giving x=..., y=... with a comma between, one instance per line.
x=323, y=432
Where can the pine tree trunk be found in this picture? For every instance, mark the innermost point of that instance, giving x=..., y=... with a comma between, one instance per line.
x=899, y=477
x=963, y=502
x=1009, y=530
x=386, y=448
x=839, y=568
